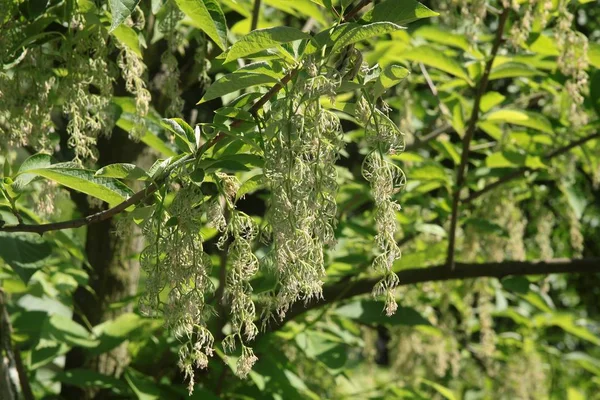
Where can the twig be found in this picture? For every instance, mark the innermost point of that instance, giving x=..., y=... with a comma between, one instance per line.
x=442, y=273
x=141, y=195
x=255, y=15
x=521, y=171
x=420, y=142
x=460, y=177
x=353, y=12
x=435, y=93
x=6, y=329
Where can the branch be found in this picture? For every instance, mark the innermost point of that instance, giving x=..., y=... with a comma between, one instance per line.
x=420, y=142
x=13, y=352
x=521, y=171
x=255, y=15
x=460, y=178
x=344, y=290
x=353, y=12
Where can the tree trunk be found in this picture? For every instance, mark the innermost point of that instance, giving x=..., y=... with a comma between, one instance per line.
x=114, y=272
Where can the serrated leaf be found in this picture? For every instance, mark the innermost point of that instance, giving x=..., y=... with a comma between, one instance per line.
x=436, y=59
x=25, y=253
x=513, y=70
x=398, y=11
x=207, y=16
x=122, y=171
x=363, y=32
x=390, y=76
x=234, y=82
x=262, y=39
x=128, y=37
x=527, y=119
x=120, y=10
x=82, y=180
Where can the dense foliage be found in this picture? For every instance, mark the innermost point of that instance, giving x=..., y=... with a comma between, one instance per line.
x=300, y=199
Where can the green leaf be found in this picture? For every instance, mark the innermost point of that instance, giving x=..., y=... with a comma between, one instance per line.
x=122, y=171
x=491, y=100
x=128, y=37
x=207, y=16
x=61, y=329
x=445, y=37
x=371, y=312
x=235, y=81
x=184, y=134
x=398, y=11
x=144, y=387
x=527, y=119
x=251, y=185
x=363, y=32
x=120, y=10
x=390, y=76
x=444, y=391
x=486, y=226
x=112, y=333
x=436, y=59
x=24, y=252
x=262, y=39
x=513, y=70
x=86, y=378
x=567, y=323
x=83, y=180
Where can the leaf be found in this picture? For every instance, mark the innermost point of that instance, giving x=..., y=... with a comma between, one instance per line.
x=390, y=76
x=444, y=36
x=207, y=16
x=128, y=37
x=86, y=378
x=363, y=32
x=120, y=10
x=251, y=185
x=113, y=332
x=436, y=59
x=491, y=100
x=398, y=11
x=513, y=70
x=567, y=323
x=262, y=39
x=371, y=312
x=233, y=82
x=527, y=119
x=122, y=171
x=143, y=387
x=83, y=180
x=24, y=252
x=63, y=329
x=486, y=226
x=444, y=391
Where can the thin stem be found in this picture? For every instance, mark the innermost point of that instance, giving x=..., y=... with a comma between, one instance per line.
x=460, y=176
x=353, y=12
x=435, y=93
x=255, y=15
x=12, y=350
x=439, y=273
x=521, y=171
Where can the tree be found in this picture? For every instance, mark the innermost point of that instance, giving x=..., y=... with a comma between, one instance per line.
x=307, y=199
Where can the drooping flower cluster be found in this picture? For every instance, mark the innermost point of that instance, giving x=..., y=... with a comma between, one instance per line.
x=386, y=179
x=572, y=62
x=175, y=261
x=303, y=143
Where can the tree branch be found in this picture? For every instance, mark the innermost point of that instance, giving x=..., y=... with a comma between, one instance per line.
x=460, y=177
x=255, y=15
x=13, y=352
x=521, y=171
x=344, y=289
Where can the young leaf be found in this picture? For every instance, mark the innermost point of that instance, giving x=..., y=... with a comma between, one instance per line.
x=398, y=11
x=436, y=59
x=390, y=76
x=233, y=82
x=527, y=119
x=120, y=10
x=363, y=32
x=122, y=171
x=207, y=16
x=24, y=252
x=262, y=39
x=81, y=180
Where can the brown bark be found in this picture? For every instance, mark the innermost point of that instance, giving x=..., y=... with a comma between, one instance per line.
x=114, y=273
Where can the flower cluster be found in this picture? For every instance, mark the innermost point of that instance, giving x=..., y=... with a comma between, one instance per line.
x=168, y=80
x=303, y=143
x=175, y=261
x=572, y=62
x=386, y=179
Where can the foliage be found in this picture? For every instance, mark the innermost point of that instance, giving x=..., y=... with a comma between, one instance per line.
x=303, y=155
